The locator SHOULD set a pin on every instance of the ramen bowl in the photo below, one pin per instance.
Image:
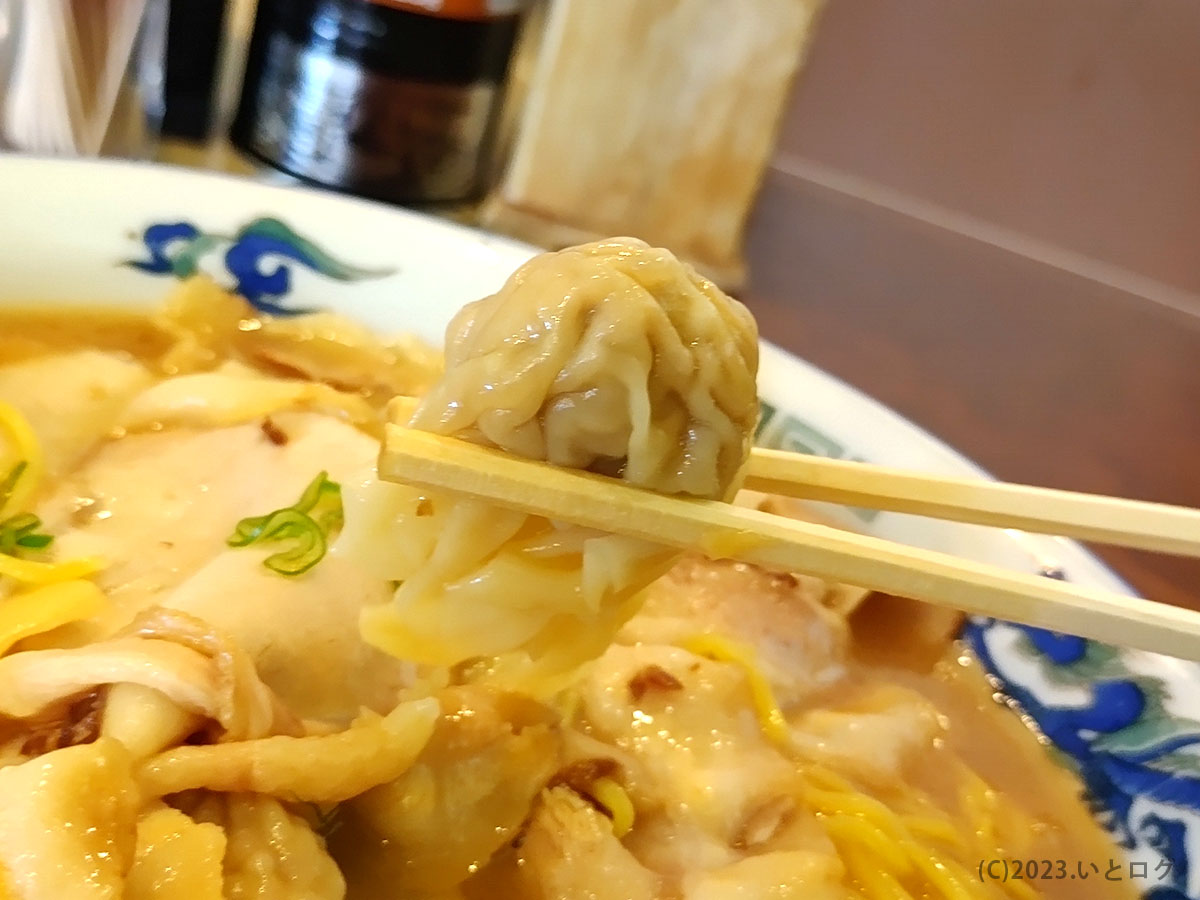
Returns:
(1126, 722)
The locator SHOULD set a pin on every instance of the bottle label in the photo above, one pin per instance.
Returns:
(457, 9)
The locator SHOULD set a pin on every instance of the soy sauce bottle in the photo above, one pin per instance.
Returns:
(391, 99)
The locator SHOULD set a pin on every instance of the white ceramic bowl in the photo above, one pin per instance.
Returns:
(117, 233)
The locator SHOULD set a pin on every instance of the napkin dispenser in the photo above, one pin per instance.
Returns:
(651, 118)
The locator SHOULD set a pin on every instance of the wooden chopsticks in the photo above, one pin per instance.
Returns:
(1106, 520)
(722, 530)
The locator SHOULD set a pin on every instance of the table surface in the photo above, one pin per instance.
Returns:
(1041, 374)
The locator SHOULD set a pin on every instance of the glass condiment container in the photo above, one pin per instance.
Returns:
(387, 99)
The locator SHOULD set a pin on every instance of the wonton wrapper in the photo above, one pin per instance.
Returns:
(67, 823)
(569, 850)
(612, 356)
(177, 859)
(466, 796)
(315, 769)
(210, 326)
(180, 657)
(270, 851)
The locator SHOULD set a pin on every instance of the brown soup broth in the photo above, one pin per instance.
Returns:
(991, 738)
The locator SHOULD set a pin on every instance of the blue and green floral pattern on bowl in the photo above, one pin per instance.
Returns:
(178, 248)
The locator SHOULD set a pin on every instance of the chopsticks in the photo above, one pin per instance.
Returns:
(725, 531)
(1106, 520)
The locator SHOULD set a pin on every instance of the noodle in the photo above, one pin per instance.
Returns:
(46, 608)
(612, 797)
(35, 572)
(24, 444)
(874, 882)
(848, 829)
(885, 849)
(940, 830)
(30, 467)
(770, 716)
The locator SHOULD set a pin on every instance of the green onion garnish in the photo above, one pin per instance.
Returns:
(20, 532)
(308, 523)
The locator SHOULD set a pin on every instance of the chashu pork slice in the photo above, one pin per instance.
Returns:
(159, 506)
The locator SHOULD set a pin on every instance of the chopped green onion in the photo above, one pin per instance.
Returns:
(316, 515)
(319, 488)
(19, 532)
(309, 549)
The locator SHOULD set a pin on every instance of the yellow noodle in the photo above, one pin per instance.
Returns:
(46, 608)
(568, 703)
(827, 778)
(978, 805)
(18, 433)
(613, 797)
(1022, 890)
(1016, 830)
(891, 855)
(857, 804)
(854, 830)
(34, 572)
(874, 881)
(995, 824)
(941, 830)
(940, 873)
(722, 649)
